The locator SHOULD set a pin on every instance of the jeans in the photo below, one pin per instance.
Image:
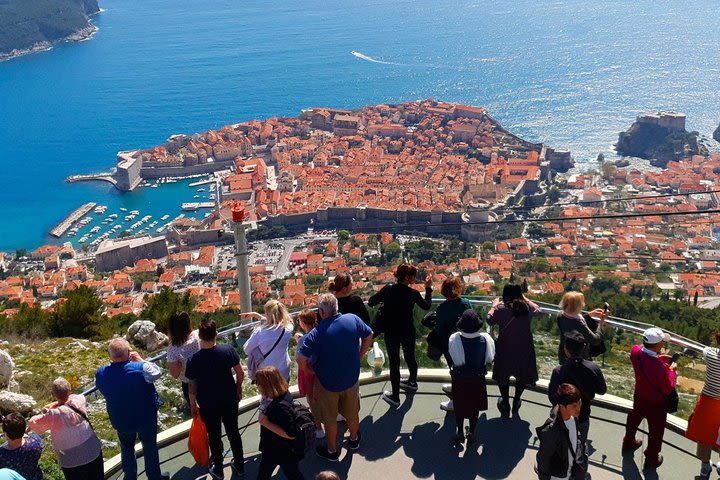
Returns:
(148, 438)
(290, 469)
(393, 345)
(227, 415)
(89, 471)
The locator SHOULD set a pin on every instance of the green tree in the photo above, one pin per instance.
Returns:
(343, 235)
(159, 307)
(78, 316)
(393, 251)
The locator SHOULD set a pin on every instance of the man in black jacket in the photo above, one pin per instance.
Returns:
(584, 374)
(561, 454)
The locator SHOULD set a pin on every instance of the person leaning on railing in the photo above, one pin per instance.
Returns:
(271, 338)
(399, 301)
(78, 448)
(184, 343)
(572, 318)
(704, 422)
(341, 286)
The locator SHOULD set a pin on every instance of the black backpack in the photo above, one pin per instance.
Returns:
(304, 423)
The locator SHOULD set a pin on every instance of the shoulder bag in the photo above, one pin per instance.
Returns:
(256, 357)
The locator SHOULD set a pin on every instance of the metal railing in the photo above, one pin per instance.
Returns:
(624, 324)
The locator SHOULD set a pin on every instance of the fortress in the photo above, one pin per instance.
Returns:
(673, 121)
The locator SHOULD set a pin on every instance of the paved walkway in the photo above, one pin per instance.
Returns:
(414, 442)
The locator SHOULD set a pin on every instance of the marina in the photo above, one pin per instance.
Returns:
(63, 226)
(189, 206)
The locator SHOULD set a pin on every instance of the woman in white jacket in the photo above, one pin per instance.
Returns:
(471, 350)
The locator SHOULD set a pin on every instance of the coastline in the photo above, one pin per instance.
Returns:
(80, 35)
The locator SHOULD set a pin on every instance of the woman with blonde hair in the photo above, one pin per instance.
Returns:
(277, 427)
(270, 340)
(572, 317)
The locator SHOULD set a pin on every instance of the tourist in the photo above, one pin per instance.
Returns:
(132, 405)
(332, 352)
(704, 422)
(307, 320)
(78, 448)
(270, 340)
(561, 454)
(214, 395)
(572, 318)
(184, 343)
(398, 301)
(21, 452)
(655, 378)
(341, 286)
(471, 350)
(584, 374)
(515, 349)
(7, 474)
(277, 427)
(446, 318)
(327, 475)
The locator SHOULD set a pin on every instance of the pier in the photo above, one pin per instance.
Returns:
(102, 177)
(197, 205)
(202, 182)
(76, 215)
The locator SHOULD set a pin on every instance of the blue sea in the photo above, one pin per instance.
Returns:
(571, 73)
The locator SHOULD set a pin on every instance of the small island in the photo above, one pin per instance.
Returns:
(659, 137)
(36, 25)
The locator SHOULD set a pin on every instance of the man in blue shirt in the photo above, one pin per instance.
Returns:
(127, 385)
(332, 351)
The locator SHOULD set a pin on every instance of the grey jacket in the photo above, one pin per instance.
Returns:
(553, 455)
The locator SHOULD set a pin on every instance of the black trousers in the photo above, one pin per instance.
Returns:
(393, 345)
(89, 471)
(290, 469)
(227, 415)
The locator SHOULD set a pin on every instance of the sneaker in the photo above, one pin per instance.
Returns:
(447, 388)
(653, 465)
(447, 405)
(319, 433)
(238, 468)
(354, 444)
(503, 407)
(326, 454)
(388, 397)
(631, 447)
(340, 418)
(216, 472)
(408, 385)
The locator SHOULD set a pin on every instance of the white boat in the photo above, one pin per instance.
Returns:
(123, 209)
(94, 229)
(164, 217)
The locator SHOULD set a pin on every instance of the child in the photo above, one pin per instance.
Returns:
(307, 320)
(277, 428)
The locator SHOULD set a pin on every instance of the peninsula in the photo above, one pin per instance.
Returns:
(34, 26)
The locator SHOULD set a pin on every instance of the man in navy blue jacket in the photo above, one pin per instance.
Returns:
(131, 399)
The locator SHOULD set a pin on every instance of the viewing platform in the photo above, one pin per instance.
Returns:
(415, 440)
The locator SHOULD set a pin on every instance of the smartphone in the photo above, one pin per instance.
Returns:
(675, 358)
(606, 307)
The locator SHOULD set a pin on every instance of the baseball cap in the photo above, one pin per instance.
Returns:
(655, 335)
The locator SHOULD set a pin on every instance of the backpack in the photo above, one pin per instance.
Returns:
(304, 424)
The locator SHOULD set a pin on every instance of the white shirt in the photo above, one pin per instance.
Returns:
(571, 425)
(264, 338)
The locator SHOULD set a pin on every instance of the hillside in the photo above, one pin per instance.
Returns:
(27, 26)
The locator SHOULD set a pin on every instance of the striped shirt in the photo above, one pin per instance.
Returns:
(712, 376)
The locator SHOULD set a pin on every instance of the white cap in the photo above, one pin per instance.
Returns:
(655, 335)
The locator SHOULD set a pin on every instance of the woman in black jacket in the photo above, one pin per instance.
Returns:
(562, 454)
(341, 286)
(398, 301)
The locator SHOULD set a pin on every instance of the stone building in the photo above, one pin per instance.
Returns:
(116, 254)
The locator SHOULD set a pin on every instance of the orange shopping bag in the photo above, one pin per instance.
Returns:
(198, 441)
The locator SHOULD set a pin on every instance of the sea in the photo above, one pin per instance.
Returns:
(571, 73)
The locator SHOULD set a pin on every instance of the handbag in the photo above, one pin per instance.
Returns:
(198, 444)
(434, 351)
(429, 320)
(256, 357)
(671, 400)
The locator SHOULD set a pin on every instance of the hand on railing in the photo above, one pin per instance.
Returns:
(135, 356)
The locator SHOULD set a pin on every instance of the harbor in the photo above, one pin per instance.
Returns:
(189, 206)
(76, 215)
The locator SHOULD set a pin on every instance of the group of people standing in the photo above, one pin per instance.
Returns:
(333, 340)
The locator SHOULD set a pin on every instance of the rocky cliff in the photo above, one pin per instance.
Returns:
(33, 25)
(716, 134)
(658, 144)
